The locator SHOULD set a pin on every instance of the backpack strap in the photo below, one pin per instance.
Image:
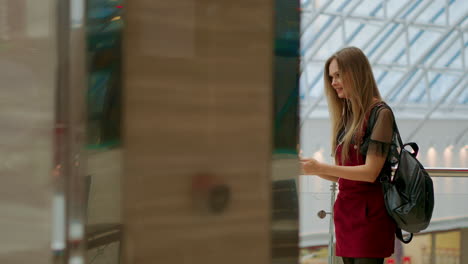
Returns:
(399, 235)
(371, 122)
(413, 145)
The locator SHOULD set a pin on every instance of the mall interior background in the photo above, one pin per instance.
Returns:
(418, 53)
(138, 130)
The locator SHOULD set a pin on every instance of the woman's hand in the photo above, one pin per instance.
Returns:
(366, 173)
(311, 166)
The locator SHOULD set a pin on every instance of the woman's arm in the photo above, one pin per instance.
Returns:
(323, 176)
(382, 132)
(329, 178)
(367, 172)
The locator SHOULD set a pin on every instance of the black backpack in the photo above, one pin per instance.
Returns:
(408, 191)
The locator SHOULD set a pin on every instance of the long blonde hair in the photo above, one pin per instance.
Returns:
(361, 89)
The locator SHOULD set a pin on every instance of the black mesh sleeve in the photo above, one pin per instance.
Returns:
(380, 139)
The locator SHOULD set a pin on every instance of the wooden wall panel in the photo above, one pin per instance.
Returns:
(28, 76)
(197, 100)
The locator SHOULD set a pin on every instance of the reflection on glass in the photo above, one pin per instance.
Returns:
(447, 247)
(286, 77)
(441, 247)
(314, 255)
(418, 251)
(441, 243)
(285, 212)
(104, 58)
(104, 39)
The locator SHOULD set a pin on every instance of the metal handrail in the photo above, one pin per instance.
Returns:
(447, 172)
(433, 172)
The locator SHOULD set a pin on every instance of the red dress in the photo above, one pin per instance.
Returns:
(362, 226)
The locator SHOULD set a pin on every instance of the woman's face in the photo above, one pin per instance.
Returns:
(336, 81)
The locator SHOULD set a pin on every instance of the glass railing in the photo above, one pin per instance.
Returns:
(440, 243)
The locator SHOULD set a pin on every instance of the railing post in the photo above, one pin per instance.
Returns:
(331, 249)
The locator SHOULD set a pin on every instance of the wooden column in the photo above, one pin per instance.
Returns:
(28, 72)
(197, 118)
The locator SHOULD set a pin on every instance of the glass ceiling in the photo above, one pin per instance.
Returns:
(417, 48)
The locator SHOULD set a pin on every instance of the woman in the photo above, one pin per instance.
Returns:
(365, 233)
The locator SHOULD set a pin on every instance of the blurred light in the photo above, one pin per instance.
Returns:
(463, 157)
(432, 157)
(116, 18)
(76, 231)
(119, 6)
(407, 260)
(448, 156)
(76, 260)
